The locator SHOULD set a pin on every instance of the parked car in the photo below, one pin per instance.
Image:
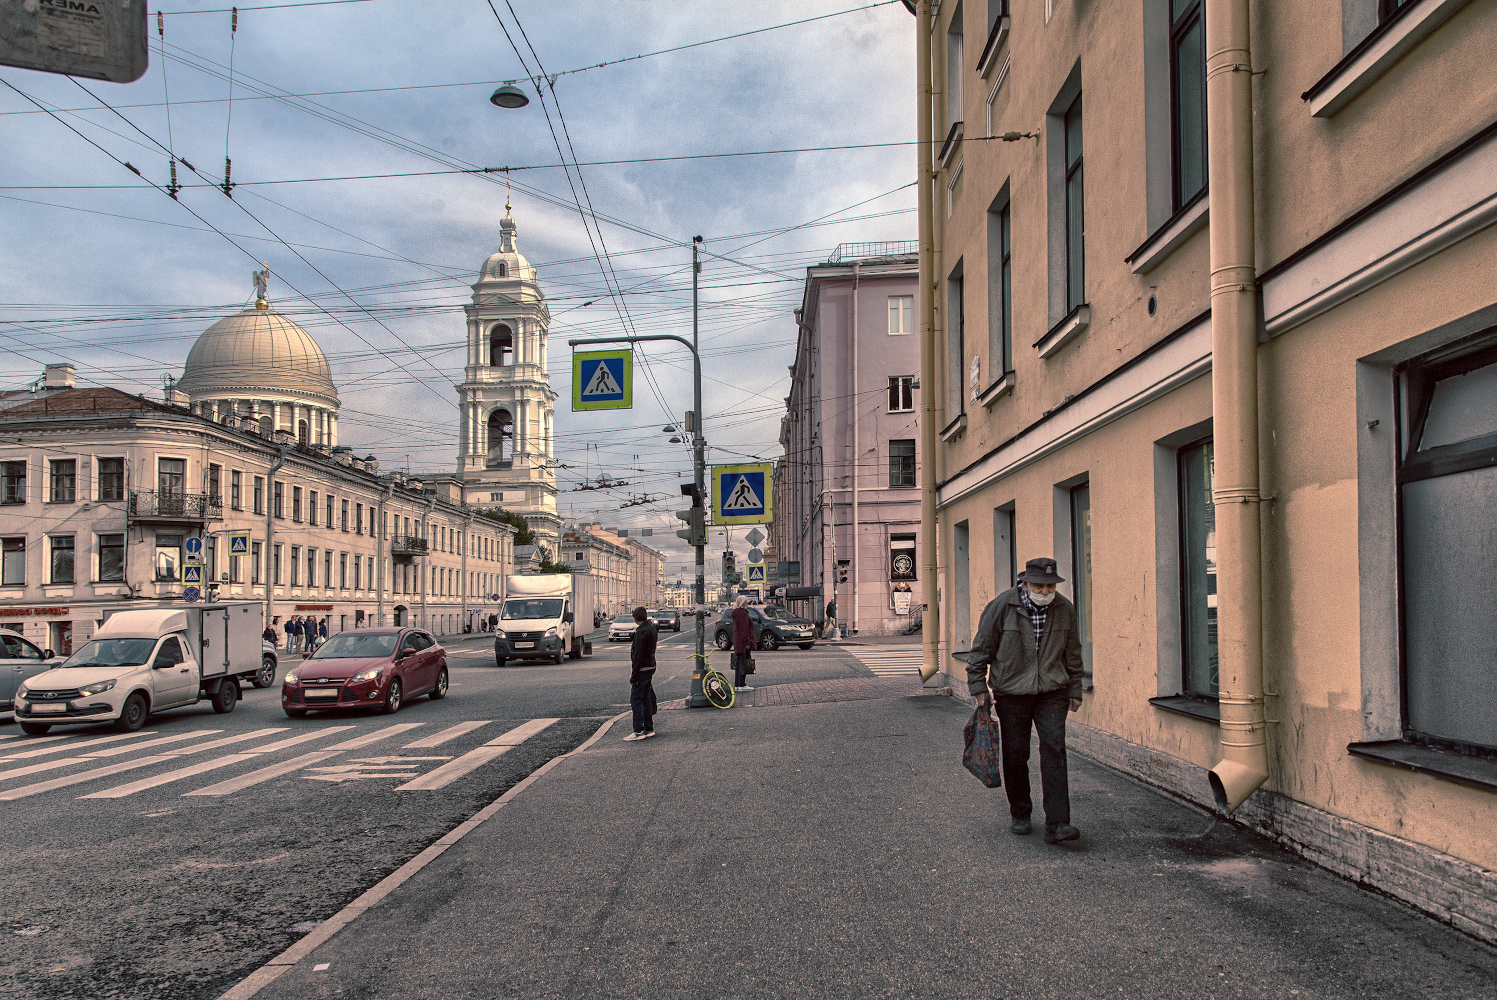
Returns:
(667, 618)
(773, 626)
(622, 628)
(368, 668)
(20, 659)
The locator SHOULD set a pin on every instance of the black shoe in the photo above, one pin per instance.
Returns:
(1019, 827)
(1062, 831)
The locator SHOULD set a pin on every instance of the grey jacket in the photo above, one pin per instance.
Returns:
(1005, 639)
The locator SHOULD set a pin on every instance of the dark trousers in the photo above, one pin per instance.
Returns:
(1047, 714)
(642, 701)
(739, 677)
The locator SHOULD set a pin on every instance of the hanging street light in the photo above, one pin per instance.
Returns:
(509, 96)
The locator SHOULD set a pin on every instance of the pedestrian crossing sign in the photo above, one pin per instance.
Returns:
(742, 494)
(239, 543)
(192, 575)
(755, 572)
(603, 380)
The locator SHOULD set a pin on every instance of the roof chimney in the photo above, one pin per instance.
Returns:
(59, 377)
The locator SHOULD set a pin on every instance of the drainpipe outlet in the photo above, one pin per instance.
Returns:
(1232, 783)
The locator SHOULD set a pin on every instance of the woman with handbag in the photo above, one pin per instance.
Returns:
(743, 644)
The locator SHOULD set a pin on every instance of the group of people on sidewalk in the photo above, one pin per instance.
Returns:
(301, 632)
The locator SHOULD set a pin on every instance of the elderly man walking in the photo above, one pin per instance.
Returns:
(1028, 651)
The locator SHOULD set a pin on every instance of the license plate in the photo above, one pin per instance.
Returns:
(524, 645)
(49, 708)
(314, 694)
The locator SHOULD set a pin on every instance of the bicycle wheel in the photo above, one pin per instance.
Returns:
(717, 689)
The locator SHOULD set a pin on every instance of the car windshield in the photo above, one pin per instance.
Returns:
(533, 607)
(346, 645)
(112, 653)
(624, 620)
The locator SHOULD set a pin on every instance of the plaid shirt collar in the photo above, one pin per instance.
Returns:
(1036, 614)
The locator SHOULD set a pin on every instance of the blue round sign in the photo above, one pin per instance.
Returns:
(194, 545)
(493, 597)
(191, 595)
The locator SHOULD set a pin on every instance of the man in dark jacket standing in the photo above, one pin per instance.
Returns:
(1028, 651)
(641, 673)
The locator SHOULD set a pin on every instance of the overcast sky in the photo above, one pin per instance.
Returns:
(99, 269)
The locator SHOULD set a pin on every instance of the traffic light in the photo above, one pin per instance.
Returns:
(842, 572)
(695, 517)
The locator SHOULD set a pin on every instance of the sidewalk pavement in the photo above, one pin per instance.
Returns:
(840, 850)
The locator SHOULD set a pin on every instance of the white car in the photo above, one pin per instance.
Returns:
(622, 628)
(20, 660)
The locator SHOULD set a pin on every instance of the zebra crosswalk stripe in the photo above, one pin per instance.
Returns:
(166, 777)
(437, 739)
(57, 765)
(244, 781)
(67, 747)
(890, 661)
(77, 779)
(472, 760)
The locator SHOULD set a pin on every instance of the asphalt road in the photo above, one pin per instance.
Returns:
(185, 867)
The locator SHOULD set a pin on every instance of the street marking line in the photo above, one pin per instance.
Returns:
(437, 739)
(263, 774)
(74, 746)
(166, 777)
(303, 738)
(472, 760)
(376, 736)
(226, 741)
(149, 744)
(76, 779)
(56, 765)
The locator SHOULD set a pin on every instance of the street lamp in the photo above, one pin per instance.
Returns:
(509, 96)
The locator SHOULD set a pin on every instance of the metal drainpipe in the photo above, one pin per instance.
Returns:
(426, 561)
(856, 456)
(930, 625)
(380, 546)
(464, 540)
(270, 534)
(1234, 381)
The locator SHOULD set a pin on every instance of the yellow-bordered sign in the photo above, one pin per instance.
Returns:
(603, 380)
(742, 494)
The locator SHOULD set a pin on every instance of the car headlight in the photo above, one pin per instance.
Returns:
(367, 675)
(499, 633)
(551, 632)
(22, 691)
(98, 687)
(291, 678)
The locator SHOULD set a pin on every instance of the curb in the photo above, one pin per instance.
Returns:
(282, 963)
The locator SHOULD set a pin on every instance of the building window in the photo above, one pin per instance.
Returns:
(171, 476)
(13, 562)
(956, 345)
(902, 462)
(235, 575)
(215, 482)
(1387, 8)
(329, 519)
(236, 490)
(1447, 504)
(275, 556)
(327, 568)
(1198, 571)
(901, 315)
(902, 558)
(255, 558)
(111, 479)
(295, 565)
(358, 519)
(311, 568)
(259, 494)
(954, 188)
(343, 570)
(1075, 213)
(358, 565)
(1005, 554)
(343, 520)
(63, 482)
(1000, 293)
(501, 346)
(296, 503)
(278, 492)
(168, 558)
(1081, 565)
(1188, 97)
(62, 558)
(111, 558)
(312, 508)
(901, 393)
(954, 68)
(14, 481)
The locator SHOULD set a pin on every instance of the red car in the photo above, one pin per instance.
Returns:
(369, 667)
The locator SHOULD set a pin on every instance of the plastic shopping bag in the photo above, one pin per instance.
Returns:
(981, 756)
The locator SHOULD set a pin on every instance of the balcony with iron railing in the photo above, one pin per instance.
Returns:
(170, 505)
(405, 547)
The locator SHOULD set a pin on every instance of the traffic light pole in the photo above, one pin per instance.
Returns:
(698, 522)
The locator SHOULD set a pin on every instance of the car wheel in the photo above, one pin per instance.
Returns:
(440, 691)
(499, 661)
(722, 641)
(296, 713)
(392, 698)
(805, 645)
(133, 715)
(768, 640)
(557, 658)
(265, 676)
(35, 728)
(226, 698)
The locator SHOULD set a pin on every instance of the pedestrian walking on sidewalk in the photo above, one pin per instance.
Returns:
(641, 674)
(830, 628)
(743, 643)
(1027, 650)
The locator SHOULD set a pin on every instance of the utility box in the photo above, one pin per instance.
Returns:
(100, 40)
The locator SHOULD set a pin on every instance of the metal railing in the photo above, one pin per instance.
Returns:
(408, 545)
(176, 506)
(862, 251)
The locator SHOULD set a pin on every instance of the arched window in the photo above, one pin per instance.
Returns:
(501, 439)
(501, 346)
(265, 427)
(503, 269)
(301, 432)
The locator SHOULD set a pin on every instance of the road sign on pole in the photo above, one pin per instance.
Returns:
(191, 595)
(192, 574)
(756, 573)
(239, 543)
(754, 536)
(603, 380)
(742, 494)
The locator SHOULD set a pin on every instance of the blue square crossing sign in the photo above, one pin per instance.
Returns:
(742, 494)
(603, 380)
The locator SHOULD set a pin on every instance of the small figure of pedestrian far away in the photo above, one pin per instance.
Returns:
(1029, 636)
(830, 628)
(641, 673)
(743, 643)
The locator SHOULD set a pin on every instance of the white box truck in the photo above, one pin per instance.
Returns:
(545, 616)
(148, 660)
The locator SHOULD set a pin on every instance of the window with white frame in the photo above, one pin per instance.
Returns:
(901, 393)
(901, 318)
